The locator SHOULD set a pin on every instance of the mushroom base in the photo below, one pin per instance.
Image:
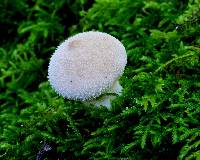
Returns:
(106, 100)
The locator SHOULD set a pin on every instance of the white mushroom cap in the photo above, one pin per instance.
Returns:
(86, 65)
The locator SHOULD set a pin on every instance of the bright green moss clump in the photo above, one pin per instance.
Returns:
(156, 117)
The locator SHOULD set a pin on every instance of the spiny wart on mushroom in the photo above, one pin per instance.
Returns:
(93, 61)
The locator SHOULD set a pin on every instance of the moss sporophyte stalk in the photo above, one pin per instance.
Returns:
(86, 66)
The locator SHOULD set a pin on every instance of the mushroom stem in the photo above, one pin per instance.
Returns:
(116, 88)
(106, 100)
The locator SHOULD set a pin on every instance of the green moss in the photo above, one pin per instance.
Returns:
(157, 115)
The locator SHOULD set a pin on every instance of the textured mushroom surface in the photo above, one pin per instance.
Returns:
(86, 65)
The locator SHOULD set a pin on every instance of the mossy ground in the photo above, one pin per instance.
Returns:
(156, 117)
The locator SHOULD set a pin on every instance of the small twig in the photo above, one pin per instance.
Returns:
(46, 148)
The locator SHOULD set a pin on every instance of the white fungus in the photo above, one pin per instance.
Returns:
(87, 65)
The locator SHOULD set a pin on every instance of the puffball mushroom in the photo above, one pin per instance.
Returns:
(86, 66)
